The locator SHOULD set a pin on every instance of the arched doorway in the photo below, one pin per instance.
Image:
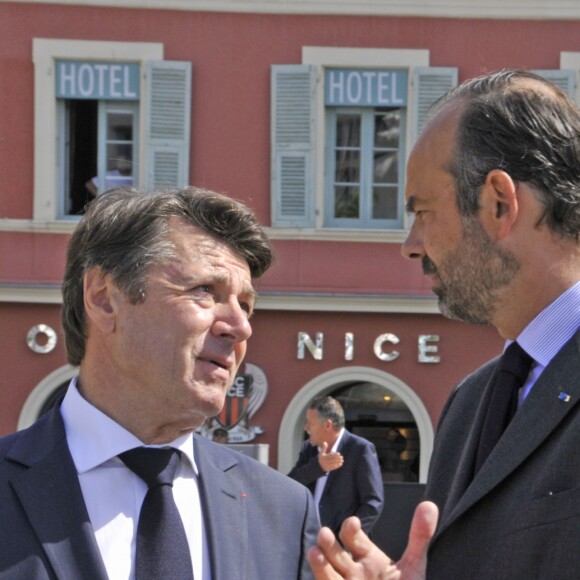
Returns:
(378, 414)
(44, 395)
(374, 401)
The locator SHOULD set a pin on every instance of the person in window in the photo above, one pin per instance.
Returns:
(395, 445)
(120, 175)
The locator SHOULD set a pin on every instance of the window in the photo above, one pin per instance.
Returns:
(342, 128)
(107, 114)
(99, 149)
(364, 177)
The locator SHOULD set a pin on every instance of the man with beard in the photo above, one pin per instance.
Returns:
(494, 187)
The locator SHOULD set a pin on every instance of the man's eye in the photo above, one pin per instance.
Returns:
(247, 308)
(202, 290)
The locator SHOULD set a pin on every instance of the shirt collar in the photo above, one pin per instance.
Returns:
(94, 438)
(553, 327)
(338, 440)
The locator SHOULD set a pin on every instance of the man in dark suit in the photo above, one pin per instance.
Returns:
(494, 186)
(157, 295)
(341, 469)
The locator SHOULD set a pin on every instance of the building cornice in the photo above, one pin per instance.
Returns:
(317, 235)
(37, 226)
(322, 302)
(495, 9)
(349, 303)
(31, 294)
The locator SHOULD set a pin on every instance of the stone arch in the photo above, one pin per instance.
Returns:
(291, 432)
(33, 404)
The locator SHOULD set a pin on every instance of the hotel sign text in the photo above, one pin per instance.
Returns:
(365, 88)
(118, 81)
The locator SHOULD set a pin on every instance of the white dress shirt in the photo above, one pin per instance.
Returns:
(321, 481)
(113, 494)
(548, 332)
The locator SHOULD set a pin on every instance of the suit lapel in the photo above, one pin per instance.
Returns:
(224, 508)
(538, 417)
(51, 497)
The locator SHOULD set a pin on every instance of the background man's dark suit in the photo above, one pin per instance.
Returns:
(45, 530)
(356, 488)
(527, 491)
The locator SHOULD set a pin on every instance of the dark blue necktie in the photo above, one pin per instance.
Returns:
(513, 369)
(162, 548)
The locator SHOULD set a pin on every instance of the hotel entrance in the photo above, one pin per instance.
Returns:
(379, 415)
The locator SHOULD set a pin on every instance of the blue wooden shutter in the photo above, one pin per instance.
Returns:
(565, 79)
(168, 115)
(429, 83)
(293, 127)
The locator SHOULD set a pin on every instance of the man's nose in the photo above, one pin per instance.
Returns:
(412, 247)
(232, 320)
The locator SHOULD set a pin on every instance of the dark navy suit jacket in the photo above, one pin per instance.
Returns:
(355, 489)
(259, 523)
(520, 516)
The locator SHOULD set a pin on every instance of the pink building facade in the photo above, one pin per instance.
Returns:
(307, 112)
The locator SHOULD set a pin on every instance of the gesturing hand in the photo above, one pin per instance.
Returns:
(330, 561)
(329, 461)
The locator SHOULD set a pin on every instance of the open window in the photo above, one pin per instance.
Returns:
(107, 114)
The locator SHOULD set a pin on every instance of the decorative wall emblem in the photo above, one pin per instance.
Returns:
(45, 346)
(243, 399)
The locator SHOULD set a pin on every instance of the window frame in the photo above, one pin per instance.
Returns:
(339, 57)
(48, 204)
(104, 106)
(132, 108)
(367, 149)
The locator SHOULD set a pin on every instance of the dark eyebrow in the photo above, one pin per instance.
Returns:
(252, 294)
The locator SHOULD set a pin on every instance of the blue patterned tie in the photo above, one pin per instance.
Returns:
(162, 548)
(513, 369)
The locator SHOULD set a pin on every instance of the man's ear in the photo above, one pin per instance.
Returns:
(99, 300)
(499, 203)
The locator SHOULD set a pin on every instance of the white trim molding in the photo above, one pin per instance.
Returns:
(336, 234)
(318, 235)
(291, 431)
(495, 9)
(30, 294)
(41, 392)
(44, 53)
(571, 60)
(349, 303)
(427, 304)
(325, 56)
(38, 226)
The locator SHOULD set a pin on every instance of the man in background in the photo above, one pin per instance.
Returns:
(220, 435)
(341, 469)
